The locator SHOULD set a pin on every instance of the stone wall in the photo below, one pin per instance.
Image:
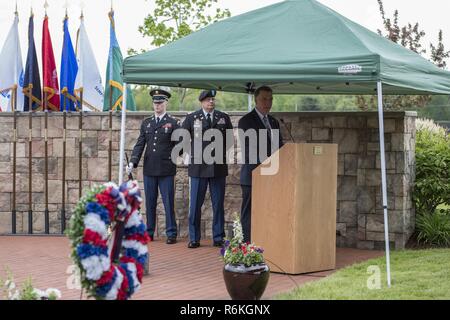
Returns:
(359, 211)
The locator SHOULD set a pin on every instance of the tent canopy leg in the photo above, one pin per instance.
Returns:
(383, 179)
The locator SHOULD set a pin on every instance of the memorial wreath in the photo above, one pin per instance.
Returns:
(99, 211)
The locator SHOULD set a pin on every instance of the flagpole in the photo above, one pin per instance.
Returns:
(46, 212)
(122, 133)
(63, 191)
(45, 107)
(14, 108)
(30, 164)
(111, 72)
(65, 90)
(81, 99)
(80, 152)
(110, 147)
(81, 146)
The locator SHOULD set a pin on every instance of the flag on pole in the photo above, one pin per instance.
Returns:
(32, 79)
(69, 69)
(88, 78)
(49, 70)
(11, 69)
(114, 80)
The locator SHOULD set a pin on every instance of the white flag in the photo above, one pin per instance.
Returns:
(88, 76)
(11, 69)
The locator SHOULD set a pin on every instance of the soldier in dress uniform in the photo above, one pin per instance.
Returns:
(159, 169)
(203, 174)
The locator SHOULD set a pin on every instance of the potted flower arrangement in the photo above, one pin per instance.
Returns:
(245, 273)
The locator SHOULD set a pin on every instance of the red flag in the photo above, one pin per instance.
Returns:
(51, 88)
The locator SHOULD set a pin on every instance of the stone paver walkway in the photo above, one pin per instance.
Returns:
(176, 272)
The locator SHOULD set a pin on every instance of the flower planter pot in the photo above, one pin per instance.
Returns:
(246, 283)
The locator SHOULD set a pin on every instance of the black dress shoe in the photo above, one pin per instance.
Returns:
(171, 240)
(218, 243)
(193, 244)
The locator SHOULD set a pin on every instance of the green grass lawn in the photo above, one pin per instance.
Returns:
(416, 274)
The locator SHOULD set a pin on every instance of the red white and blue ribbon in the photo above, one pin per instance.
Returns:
(113, 281)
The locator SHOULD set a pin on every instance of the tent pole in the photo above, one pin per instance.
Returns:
(122, 133)
(383, 179)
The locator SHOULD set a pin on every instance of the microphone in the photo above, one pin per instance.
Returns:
(287, 129)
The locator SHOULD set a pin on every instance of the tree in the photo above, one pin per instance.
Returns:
(174, 19)
(438, 53)
(409, 36)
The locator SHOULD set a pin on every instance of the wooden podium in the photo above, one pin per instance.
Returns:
(294, 210)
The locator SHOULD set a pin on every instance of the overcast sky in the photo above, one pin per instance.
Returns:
(431, 14)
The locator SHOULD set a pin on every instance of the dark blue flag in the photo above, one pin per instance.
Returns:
(32, 76)
(69, 69)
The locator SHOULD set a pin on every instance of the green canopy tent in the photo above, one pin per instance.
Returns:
(295, 47)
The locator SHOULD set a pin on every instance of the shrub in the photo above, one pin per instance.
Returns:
(432, 187)
(434, 229)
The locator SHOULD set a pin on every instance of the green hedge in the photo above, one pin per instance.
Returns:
(434, 229)
(432, 188)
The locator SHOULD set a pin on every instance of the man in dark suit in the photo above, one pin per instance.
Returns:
(204, 172)
(159, 169)
(257, 119)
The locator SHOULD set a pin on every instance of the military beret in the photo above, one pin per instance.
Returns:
(160, 95)
(207, 94)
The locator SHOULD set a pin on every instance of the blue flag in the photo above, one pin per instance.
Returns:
(69, 69)
(32, 77)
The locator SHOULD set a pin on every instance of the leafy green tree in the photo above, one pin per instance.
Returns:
(409, 36)
(438, 53)
(438, 109)
(174, 19)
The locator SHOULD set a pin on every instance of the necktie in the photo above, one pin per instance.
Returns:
(157, 120)
(267, 125)
(208, 119)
